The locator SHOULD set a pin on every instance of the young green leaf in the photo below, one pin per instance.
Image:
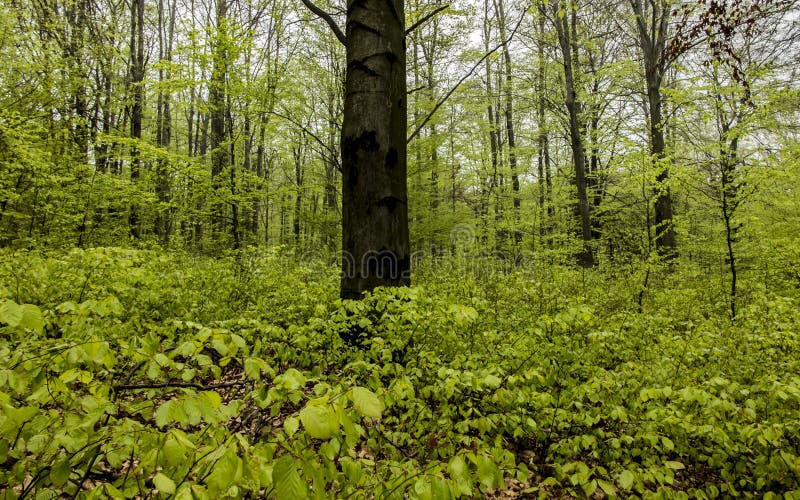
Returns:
(626, 479)
(367, 403)
(164, 484)
(319, 421)
(287, 481)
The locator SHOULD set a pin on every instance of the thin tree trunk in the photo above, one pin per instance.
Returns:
(493, 187)
(163, 222)
(566, 36)
(509, 115)
(652, 42)
(217, 103)
(137, 108)
(545, 180)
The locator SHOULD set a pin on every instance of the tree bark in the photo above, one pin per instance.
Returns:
(375, 238)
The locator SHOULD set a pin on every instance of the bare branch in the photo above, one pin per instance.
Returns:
(328, 19)
(426, 18)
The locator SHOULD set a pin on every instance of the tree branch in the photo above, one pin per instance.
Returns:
(426, 18)
(328, 19)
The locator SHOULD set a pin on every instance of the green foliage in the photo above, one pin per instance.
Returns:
(123, 373)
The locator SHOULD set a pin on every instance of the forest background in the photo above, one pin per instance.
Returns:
(604, 241)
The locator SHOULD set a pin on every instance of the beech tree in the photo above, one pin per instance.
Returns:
(375, 244)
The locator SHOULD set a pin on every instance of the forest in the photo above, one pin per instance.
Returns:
(399, 249)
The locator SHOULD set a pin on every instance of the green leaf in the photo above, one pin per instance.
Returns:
(112, 492)
(287, 481)
(440, 489)
(162, 414)
(488, 472)
(181, 437)
(209, 401)
(162, 359)
(164, 484)
(367, 403)
(607, 487)
(459, 472)
(173, 452)
(319, 421)
(589, 487)
(32, 318)
(674, 465)
(492, 381)
(252, 368)
(10, 313)
(290, 425)
(227, 472)
(626, 479)
(59, 473)
(291, 380)
(463, 315)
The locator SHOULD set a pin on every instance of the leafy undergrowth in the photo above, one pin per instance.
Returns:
(137, 374)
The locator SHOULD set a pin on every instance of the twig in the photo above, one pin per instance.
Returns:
(399, 448)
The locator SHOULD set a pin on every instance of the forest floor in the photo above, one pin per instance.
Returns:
(145, 374)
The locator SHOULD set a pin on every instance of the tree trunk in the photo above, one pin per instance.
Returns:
(137, 88)
(652, 42)
(665, 232)
(163, 225)
(298, 151)
(509, 115)
(543, 140)
(261, 173)
(217, 104)
(567, 41)
(375, 239)
(494, 139)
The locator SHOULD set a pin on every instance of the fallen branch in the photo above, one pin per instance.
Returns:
(191, 385)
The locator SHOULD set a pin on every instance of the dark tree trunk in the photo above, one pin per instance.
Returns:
(494, 133)
(665, 232)
(261, 173)
(163, 222)
(375, 239)
(730, 185)
(509, 115)
(652, 42)
(543, 140)
(137, 88)
(217, 103)
(298, 151)
(567, 41)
